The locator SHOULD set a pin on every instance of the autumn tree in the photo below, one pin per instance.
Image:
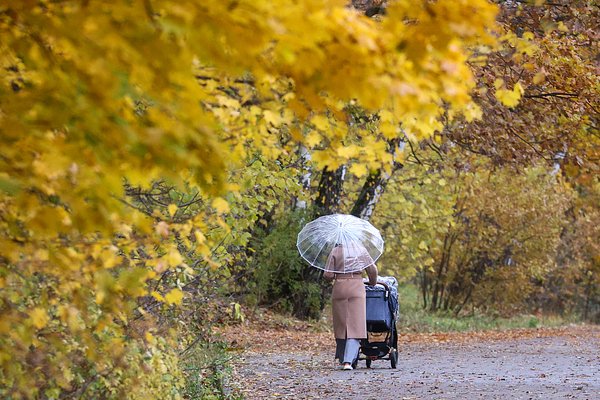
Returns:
(472, 234)
(539, 93)
(539, 89)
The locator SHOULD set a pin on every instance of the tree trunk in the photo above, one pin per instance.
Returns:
(374, 186)
(424, 287)
(435, 295)
(467, 298)
(330, 190)
(305, 157)
(447, 298)
(588, 296)
(369, 195)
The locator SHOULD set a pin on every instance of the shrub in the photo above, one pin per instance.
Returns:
(281, 279)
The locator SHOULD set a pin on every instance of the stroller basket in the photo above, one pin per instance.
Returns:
(379, 315)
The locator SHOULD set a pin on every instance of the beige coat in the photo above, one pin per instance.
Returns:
(348, 299)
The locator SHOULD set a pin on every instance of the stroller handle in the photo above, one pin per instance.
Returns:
(385, 285)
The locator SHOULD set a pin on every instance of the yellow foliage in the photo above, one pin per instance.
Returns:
(359, 170)
(510, 98)
(174, 296)
(348, 151)
(220, 205)
(313, 139)
(539, 78)
(39, 317)
(320, 122)
(157, 296)
(174, 258)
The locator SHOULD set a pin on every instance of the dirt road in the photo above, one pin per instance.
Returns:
(560, 365)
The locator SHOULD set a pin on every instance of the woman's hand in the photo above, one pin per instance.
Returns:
(372, 273)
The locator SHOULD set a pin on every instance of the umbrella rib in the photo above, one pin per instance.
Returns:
(317, 256)
(311, 245)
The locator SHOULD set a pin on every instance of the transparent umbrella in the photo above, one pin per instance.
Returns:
(340, 243)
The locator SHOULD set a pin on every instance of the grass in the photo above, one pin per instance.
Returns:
(413, 318)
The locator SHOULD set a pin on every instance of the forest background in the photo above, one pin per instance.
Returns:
(158, 159)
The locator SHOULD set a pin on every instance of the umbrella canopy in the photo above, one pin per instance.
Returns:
(340, 243)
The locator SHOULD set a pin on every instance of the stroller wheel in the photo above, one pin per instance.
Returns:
(368, 363)
(355, 364)
(394, 358)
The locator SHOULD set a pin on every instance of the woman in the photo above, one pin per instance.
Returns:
(348, 301)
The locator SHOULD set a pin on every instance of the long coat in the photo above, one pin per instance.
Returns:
(348, 299)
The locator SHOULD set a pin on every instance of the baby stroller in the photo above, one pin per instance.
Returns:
(382, 313)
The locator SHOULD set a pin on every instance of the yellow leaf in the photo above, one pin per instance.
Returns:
(472, 112)
(174, 258)
(172, 209)
(389, 130)
(157, 296)
(348, 151)
(498, 83)
(174, 296)
(203, 249)
(221, 205)
(149, 337)
(529, 66)
(423, 245)
(320, 122)
(228, 102)
(296, 134)
(562, 27)
(42, 254)
(386, 116)
(313, 139)
(510, 98)
(200, 238)
(539, 78)
(359, 170)
(272, 118)
(39, 317)
(109, 257)
(519, 88)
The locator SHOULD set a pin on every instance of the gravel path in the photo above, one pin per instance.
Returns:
(562, 367)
